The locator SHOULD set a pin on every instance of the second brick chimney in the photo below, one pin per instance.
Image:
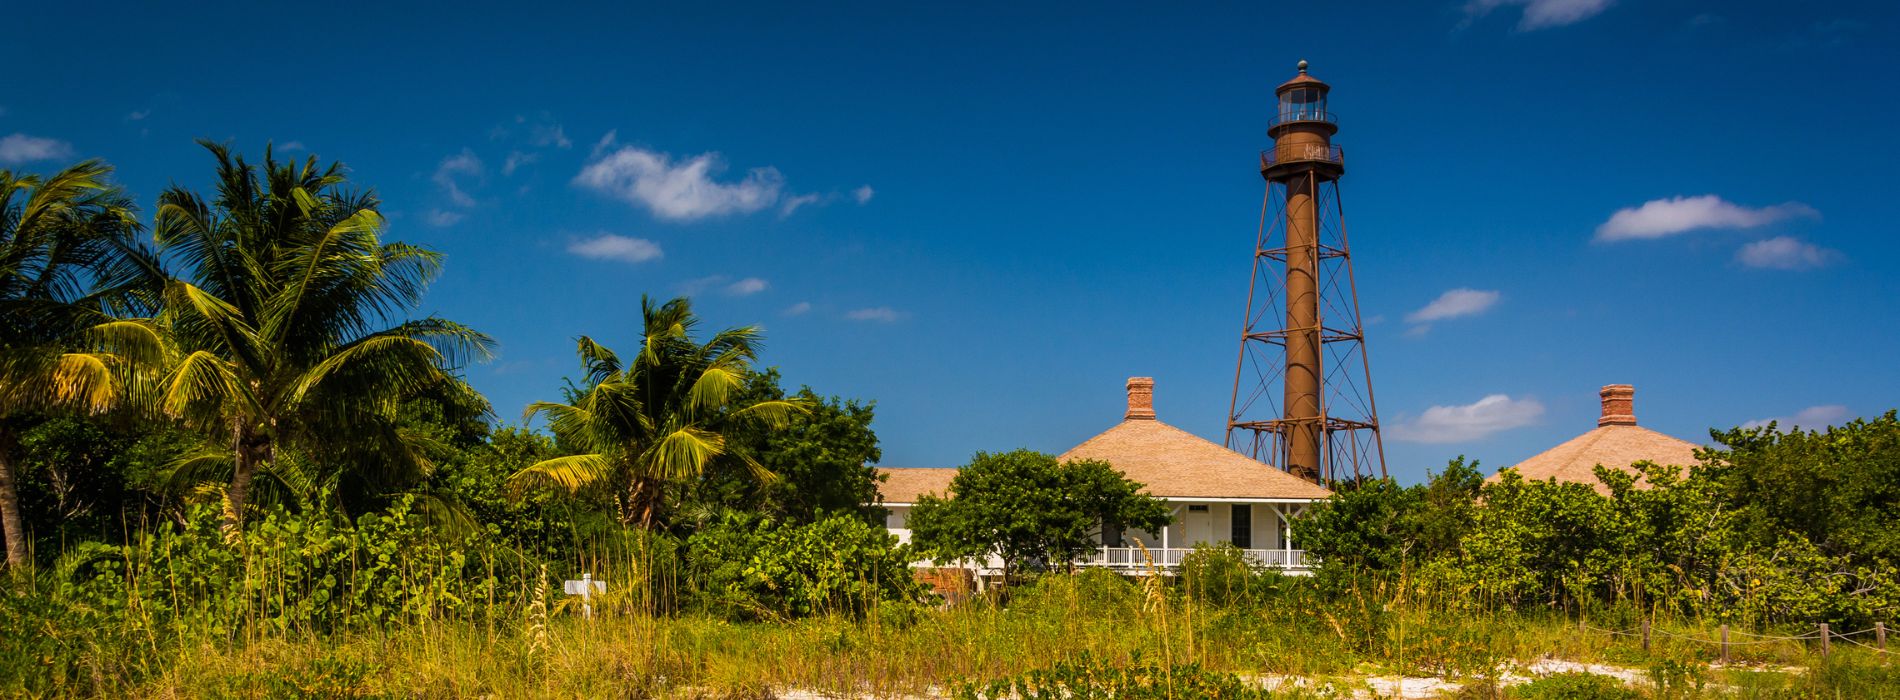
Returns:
(1141, 399)
(1619, 405)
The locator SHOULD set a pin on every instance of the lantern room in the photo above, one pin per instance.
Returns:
(1302, 100)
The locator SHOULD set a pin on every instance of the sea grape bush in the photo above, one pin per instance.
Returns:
(1712, 539)
(752, 568)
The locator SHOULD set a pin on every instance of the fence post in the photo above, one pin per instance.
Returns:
(1880, 636)
(1725, 643)
(1824, 636)
(1645, 634)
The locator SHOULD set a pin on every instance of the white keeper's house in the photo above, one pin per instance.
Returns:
(1217, 495)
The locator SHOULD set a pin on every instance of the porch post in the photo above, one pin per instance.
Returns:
(1286, 537)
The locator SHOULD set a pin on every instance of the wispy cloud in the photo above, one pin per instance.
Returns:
(863, 194)
(1541, 14)
(1784, 253)
(1475, 421)
(610, 246)
(1810, 418)
(515, 160)
(452, 168)
(291, 146)
(441, 217)
(793, 203)
(21, 148)
(680, 191)
(798, 309)
(138, 115)
(724, 284)
(1454, 303)
(549, 134)
(1660, 218)
(746, 287)
(879, 314)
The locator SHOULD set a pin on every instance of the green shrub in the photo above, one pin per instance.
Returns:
(1218, 575)
(1575, 686)
(750, 568)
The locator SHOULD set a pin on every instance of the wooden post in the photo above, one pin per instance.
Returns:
(1645, 634)
(1880, 636)
(1824, 640)
(1725, 644)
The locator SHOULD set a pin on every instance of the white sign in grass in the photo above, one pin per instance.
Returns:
(585, 588)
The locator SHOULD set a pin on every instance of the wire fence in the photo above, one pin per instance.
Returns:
(1822, 633)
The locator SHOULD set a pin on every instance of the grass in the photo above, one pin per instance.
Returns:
(549, 651)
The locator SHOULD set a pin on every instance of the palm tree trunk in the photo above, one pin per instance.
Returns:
(249, 452)
(11, 525)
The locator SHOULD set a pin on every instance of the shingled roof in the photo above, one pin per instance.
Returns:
(1168, 461)
(1617, 443)
(907, 485)
(1174, 463)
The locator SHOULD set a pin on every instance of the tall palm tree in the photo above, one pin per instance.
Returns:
(658, 419)
(289, 322)
(68, 263)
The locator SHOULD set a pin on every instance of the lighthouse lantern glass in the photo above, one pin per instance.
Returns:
(1301, 104)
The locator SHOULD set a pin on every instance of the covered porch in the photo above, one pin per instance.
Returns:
(1262, 528)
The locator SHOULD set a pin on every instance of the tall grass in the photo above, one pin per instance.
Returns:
(175, 631)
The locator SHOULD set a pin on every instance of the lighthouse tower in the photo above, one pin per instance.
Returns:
(1302, 387)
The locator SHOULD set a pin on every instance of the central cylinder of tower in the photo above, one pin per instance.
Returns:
(1301, 401)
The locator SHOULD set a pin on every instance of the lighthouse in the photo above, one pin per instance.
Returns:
(1302, 396)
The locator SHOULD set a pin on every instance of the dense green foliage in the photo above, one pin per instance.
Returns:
(1031, 511)
(1774, 527)
(748, 567)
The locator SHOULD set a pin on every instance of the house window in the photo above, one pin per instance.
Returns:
(1111, 535)
(1243, 525)
(1197, 509)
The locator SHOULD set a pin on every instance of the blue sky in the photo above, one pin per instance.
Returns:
(986, 216)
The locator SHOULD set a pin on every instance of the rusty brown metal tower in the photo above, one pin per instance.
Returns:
(1303, 385)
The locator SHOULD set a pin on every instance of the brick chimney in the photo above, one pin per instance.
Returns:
(1619, 405)
(1141, 399)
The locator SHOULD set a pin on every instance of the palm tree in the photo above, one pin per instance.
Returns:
(67, 264)
(659, 419)
(288, 324)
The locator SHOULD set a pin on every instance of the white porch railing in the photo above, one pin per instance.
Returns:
(1131, 558)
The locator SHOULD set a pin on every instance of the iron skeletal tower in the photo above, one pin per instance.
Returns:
(1303, 386)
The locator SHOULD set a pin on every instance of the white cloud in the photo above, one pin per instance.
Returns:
(139, 115)
(746, 287)
(1660, 218)
(1784, 253)
(798, 309)
(455, 166)
(516, 159)
(608, 246)
(680, 191)
(880, 314)
(440, 218)
(21, 148)
(1454, 303)
(1447, 424)
(1541, 14)
(793, 203)
(863, 194)
(292, 146)
(1810, 418)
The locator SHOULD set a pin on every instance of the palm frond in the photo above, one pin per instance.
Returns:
(571, 472)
